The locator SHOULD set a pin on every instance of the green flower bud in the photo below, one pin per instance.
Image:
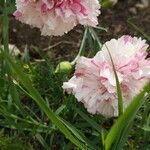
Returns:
(108, 3)
(64, 67)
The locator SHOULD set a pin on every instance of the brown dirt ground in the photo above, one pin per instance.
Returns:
(114, 19)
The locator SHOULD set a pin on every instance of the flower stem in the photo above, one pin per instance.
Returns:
(83, 42)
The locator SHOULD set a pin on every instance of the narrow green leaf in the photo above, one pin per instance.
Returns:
(60, 109)
(42, 141)
(94, 124)
(146, 128)
(41, 103)
(119, 91)
(69, 126)
(120, 129)
(78, 134)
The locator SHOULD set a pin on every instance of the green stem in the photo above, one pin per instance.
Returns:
(95, 36)
(81, 47)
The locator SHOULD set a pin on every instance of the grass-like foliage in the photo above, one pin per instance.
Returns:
(35, 112)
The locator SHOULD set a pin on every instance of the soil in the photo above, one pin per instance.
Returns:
(115, 19)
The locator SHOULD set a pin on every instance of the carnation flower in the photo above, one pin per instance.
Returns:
(56, 17)
(94, 82)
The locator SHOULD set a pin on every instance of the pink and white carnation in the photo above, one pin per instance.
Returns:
(94, 82)
(56, 17)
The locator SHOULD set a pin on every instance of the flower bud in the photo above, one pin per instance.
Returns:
(108, 3)
(64, 67)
